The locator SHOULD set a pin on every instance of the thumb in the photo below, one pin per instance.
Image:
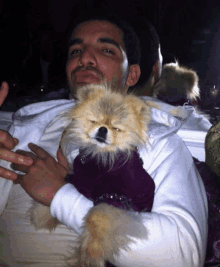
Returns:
(62, 160)
(3, 92)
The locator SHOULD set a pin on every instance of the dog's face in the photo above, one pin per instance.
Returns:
(107, 125)
(104, 121)
(109, 121)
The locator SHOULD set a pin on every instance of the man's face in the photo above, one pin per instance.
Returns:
(97, 54)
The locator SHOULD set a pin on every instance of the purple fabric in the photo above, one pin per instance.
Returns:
(127, 179)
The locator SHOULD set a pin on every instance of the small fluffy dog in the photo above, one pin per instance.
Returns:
(176, 84)
(106, 128)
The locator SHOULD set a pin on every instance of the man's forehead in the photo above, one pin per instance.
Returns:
(98, 29)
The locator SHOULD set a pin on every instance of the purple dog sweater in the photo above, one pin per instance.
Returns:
(125, 185)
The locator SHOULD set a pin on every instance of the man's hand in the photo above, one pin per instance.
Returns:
(7, 143)
(45, 177)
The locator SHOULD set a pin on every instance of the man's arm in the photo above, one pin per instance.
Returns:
(177, 225)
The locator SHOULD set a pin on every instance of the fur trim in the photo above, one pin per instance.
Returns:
(177, 81)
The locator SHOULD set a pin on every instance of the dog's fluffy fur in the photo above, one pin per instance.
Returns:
(177, 81)
(125, 119)
(106, 229)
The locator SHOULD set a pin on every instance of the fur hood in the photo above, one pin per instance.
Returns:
(177, 84)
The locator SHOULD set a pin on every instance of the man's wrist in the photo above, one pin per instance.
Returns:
(47, 193)
(70, 207)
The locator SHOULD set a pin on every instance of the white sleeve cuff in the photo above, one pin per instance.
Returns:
(70, 207)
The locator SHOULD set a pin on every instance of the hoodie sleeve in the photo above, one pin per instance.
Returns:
(177, 225)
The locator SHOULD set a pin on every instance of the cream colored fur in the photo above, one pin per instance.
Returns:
(126, 117)
(106, 230)
(178, 80)
(41, 218)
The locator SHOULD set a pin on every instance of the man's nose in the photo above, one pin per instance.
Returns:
(88, 57)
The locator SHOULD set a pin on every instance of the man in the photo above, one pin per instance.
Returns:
(177, 225)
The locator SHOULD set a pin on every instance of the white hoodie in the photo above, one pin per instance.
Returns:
(177, 224)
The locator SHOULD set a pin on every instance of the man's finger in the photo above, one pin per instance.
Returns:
(7, 174)
(7, 141)
(14, 157)
(3, 92)
(19, 179)
(40, 152)
(61, 159)
(26, 153)
(19, 167)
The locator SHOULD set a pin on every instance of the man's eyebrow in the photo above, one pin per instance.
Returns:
(109, 41)
(74, 41)
(100, 40)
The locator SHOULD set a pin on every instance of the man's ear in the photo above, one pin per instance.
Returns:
(134, 75)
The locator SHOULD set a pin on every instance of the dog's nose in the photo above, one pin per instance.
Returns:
(101, 135)
(103, 130)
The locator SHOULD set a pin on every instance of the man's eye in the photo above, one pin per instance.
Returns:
(74, 52)
(108, 51)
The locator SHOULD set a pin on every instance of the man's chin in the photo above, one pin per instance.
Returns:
(85, 83)
(115, 84)
(75, 86)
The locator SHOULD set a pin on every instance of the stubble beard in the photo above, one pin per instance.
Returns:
(116, 85)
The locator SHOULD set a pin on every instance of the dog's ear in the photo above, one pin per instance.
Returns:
(141, 108)
(144, 112)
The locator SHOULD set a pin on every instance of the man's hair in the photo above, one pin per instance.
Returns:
(130, 39)
(149, 42)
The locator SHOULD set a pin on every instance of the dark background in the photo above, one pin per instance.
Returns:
(189, 32)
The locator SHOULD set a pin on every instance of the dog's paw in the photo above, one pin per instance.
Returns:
(41, 218)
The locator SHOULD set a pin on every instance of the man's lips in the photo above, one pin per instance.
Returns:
(86, 73)
(86, 76)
